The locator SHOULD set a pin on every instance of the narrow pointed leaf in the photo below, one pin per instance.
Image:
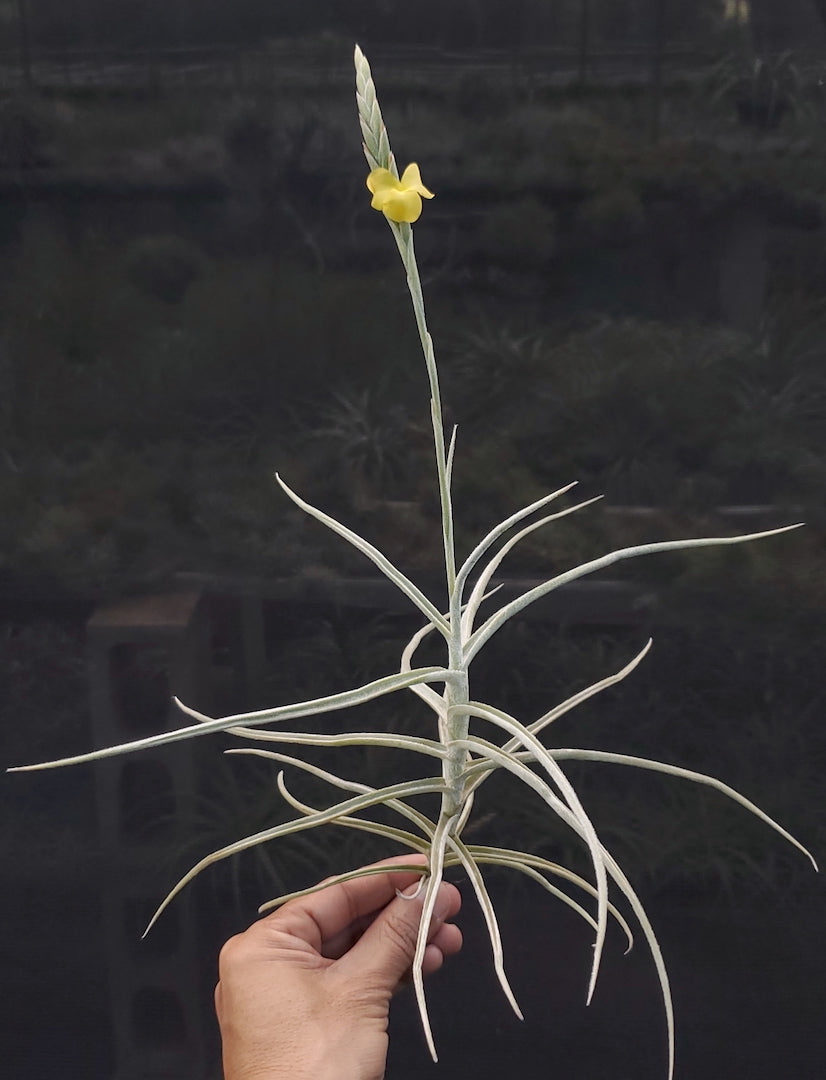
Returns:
(427, 826)
(351, 875)
(685, 774)
(527, 864)
(429, 747)
(482, 769)
(498, 620)
(573, 812)
(403, 583)
(493, 565)
(287, 828)
(486, 905)
(654, 947)
(499, 530)
(207, 725)
(434, 880)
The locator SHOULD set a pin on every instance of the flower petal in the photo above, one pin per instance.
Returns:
(411, 178)
(381, 180)
(399, 205)
(399, 200)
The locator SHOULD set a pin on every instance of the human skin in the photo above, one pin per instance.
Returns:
(305, 992)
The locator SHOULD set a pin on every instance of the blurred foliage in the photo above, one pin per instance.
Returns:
(494, 23)
(520, 234)
(677, 415)
(154, 372)
(145, 438)
(163, 267)
(762, 89)
(27, 133)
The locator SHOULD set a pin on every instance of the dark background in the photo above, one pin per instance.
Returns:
(624, 269)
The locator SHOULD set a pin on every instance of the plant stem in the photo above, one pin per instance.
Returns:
(404, 240)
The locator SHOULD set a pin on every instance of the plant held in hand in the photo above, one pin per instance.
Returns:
(463, 756)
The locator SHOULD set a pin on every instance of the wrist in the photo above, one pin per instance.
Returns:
(296, 1065)
(293, 1071)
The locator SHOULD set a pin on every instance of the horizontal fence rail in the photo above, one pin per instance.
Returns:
(280, 65)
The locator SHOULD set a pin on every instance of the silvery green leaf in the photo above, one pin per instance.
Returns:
(207, 725)
(287, 828)
(381, 561)
(498, 620)
(685, 774)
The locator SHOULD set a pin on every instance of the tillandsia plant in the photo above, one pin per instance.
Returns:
(463, 752)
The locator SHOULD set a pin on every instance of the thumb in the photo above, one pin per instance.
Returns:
(384, 953)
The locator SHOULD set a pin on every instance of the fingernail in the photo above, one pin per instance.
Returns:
(412, 891)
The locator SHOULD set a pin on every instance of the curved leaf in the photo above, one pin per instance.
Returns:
(498, 620)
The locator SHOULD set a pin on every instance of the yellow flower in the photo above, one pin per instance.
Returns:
(398, 200)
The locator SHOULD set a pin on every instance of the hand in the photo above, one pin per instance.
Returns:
(305, 992)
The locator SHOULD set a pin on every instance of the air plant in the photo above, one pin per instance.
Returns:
(463, 757)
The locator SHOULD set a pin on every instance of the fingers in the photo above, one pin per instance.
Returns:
(446, 942)
(385, 951)
(331, 920)
(367, 928)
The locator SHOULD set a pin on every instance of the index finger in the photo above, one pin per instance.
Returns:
(322, 916)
